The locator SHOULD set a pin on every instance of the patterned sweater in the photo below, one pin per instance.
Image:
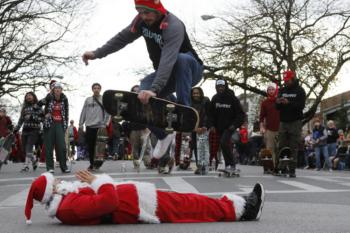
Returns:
(31, 117)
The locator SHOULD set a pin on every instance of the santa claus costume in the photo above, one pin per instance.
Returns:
(105, 201)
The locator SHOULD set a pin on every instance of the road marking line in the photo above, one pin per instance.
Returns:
(301, 185)
(178, 184)
(15, 200)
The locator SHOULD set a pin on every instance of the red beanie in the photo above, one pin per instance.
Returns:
(288, 75)
(154, 5)
(40, 190)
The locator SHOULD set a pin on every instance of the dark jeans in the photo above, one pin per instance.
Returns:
(226, 148)
(289, 136)
(186, 73)
(91, 136)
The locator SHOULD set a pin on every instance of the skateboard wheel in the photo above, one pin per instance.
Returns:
(170, 107)
(118, 95)
(169, 130)
(118, 118)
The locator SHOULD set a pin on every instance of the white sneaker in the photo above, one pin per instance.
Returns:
(163, 145)
(41, 165)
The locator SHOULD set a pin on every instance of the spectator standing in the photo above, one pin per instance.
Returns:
(94, 116)
(269, 121)
(73, 137)
(319, 137)
(31, 118)
(55, 124)
(200, 139)
(332, 138)
(5, 123)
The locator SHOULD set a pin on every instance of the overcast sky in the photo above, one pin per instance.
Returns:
(117, 70)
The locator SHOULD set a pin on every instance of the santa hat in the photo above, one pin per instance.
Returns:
(40, 190)
(52, 83)
(153, 5)
(288, 75)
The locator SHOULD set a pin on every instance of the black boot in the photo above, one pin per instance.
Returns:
(254, 203)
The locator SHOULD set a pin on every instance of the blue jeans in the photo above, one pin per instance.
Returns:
(332, 149)
(186, 73)
(324, 150)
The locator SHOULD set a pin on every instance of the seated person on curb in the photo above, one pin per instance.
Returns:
(98, 200)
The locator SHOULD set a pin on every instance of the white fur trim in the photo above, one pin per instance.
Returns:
(65, 187)
(238, 204)
(50, 179)
(101, 180)
(53, 205)
(147, 197)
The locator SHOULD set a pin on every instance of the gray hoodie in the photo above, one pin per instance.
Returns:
(163, 45)
(92, 114)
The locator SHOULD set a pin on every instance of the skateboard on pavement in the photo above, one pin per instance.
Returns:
(285, 160)
(124, 105)
(100, 148)
(228, 173)
(266, 160)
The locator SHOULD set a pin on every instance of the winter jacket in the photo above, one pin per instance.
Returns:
(5, 126)
(293, 111)
(319, 133)
(31, 117)
(49, 102)
(269, 114)
(203, 108)
(163, 45)
(332, 135)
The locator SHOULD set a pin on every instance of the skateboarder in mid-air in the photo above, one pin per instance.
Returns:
(177, 65)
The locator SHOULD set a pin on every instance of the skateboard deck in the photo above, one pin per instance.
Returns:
(226, 173)
(284, 160)
(266, 160)
(158, 112)
(100, 148)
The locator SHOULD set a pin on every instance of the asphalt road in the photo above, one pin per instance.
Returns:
(315, 201)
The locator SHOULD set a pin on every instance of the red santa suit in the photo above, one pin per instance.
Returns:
(133, 202)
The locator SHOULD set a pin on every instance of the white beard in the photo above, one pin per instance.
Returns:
(65, 187)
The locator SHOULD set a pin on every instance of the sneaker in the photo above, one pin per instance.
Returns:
(306, 167)
(254, 203)
(51, 171)
(161, 170)
(66, 171)
(41, 165)
(163, 145)
(25, 169)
